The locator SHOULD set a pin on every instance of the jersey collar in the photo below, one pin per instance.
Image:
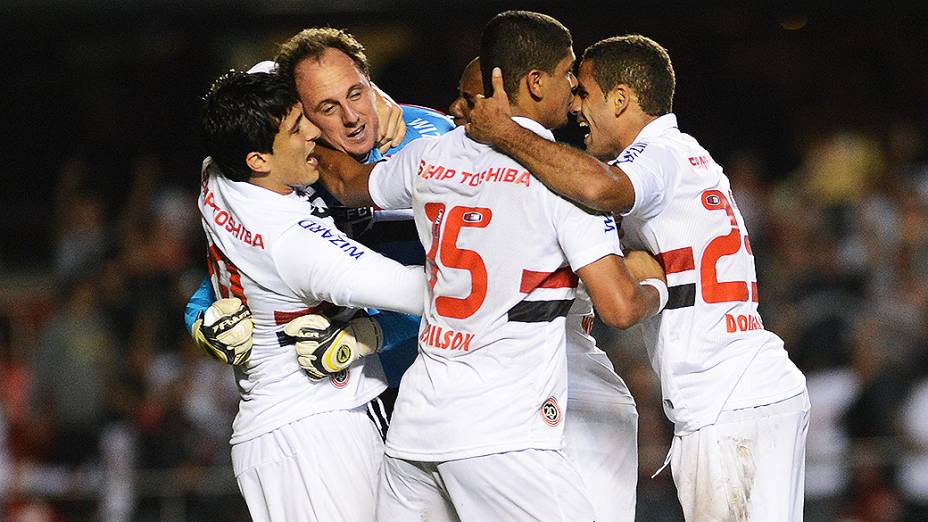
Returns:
(373, 156)
(534, 126)
(658, 126)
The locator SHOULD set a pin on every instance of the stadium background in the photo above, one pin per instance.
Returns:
(818, 115)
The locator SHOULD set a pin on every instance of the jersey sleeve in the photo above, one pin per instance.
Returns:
(584, 237)
(645, 167)
(319, 263)
(391, 180)
(201, 299)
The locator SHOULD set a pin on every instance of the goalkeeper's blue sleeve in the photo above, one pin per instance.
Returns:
(400, 343)
(199, 302)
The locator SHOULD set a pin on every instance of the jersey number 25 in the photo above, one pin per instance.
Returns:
(446, 227)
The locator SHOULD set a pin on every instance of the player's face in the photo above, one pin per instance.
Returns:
(596, 112)
(470, 86)
(559, 91)
(292, 161)
(337, 97)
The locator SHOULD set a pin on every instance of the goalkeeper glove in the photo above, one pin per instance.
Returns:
(326, 346)
(225, 331)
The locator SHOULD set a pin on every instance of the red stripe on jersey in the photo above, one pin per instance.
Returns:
(561, 278)
(587, 323)
(285, 317)
(679, 260)
(235, 283)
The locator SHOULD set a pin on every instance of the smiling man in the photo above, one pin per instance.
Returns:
(601, 430)
(328, 70)
(478, 428)
(271, 249)
(739, 406)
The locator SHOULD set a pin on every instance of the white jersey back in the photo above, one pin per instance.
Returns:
(270, 251)
(501, 249)
(709, 346)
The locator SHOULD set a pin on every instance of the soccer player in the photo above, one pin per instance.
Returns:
(270, 249)
(477, 429)
(601, 425)
(739, 405)
(329, 70)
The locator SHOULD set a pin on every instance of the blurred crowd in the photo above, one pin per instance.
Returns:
(108, 411)
(112, 413)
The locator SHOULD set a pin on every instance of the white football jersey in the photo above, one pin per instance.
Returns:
(501, 250)
(590, 374)
(709, 346)
(274, 253)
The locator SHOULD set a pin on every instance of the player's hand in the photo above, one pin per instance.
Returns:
(325, 346)
(492, 116)
(225, 331)
(392, 127)
(643, 265)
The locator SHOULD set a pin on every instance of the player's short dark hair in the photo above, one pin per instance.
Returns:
(311, 43)
(636, 61)
(241, 114)
(519, 41)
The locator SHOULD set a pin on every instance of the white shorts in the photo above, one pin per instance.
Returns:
(749, 465)
(602, 441)
(324, 467)
(529, 485)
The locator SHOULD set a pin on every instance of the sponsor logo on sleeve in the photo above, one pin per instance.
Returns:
(630, 154)
(609, 223)
(333, 236)
(700, 162)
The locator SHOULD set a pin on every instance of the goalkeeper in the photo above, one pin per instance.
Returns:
(276, 252)
(348, 122)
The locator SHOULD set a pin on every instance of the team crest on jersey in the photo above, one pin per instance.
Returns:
(340, 379)
(551, 412)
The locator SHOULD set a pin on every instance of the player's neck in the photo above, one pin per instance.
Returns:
(528, 112)
(268, 182)
(637, 122)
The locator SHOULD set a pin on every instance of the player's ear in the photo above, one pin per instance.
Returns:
(533, 82)
(620, 97)
(258, 162)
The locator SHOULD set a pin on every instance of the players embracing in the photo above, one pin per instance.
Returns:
(739, 406)
(442, 480)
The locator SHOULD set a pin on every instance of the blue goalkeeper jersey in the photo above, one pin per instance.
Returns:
(397, 242)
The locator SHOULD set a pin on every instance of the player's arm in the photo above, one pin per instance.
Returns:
(620, 299)
(386, 184)
(344, 177)
(222, 329)
(202, 297)
(592, 248)
(321, 264)
(325, 346)
(570, 172)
